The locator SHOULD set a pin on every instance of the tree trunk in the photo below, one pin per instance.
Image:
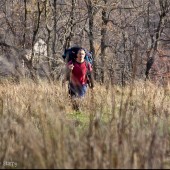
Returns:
(103, 43)
(91, 33)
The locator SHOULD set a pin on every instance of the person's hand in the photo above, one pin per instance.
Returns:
(71, 66)
(92, 88)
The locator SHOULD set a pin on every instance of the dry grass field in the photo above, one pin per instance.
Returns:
(116, 127)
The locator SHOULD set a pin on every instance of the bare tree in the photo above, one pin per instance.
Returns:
(164, 9)
(117, 32)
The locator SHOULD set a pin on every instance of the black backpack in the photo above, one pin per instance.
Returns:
(71, 53)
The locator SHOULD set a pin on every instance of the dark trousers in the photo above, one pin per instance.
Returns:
(77, 90)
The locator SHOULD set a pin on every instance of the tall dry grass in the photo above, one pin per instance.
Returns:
(116, 127)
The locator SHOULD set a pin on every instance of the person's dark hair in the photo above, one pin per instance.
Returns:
(81, 48)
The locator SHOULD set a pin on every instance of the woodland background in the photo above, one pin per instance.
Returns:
(125, 36)
(123, 122)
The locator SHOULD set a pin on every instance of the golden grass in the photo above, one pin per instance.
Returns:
(116, 127)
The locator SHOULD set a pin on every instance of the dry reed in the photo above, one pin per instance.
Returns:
(116, 127)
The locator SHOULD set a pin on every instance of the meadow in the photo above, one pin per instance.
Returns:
(116, 127)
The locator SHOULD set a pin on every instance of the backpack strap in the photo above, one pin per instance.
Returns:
(87, 66)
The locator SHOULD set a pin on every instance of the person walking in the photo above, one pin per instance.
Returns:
(80, 75)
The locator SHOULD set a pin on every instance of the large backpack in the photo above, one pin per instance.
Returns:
(71, 53)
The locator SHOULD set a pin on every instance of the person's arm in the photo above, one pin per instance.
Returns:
(67, 72)
(69, 68)
(91, 77)
(91, 80)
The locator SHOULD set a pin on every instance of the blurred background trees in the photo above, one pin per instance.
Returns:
(129, 39)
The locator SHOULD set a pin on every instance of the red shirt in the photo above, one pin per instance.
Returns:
(78, 76)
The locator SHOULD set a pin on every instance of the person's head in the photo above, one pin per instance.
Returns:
(80, 55)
